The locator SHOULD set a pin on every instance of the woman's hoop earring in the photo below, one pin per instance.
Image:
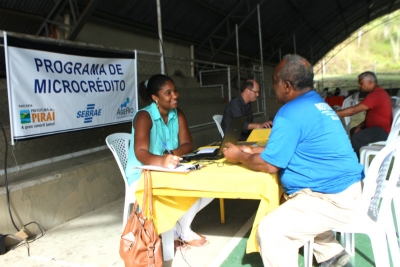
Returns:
(156, 103)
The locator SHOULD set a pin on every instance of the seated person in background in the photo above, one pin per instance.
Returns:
(379, 116)
(159, 122)
(241, 106)
(325, 92)
(335, 101)
(319, 195)
(344, 92)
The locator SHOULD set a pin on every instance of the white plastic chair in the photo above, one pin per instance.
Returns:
(396, 116)
(355, 98)
(374, 215)
(374, 148)
(348, 102)
(118, 143)
(395, 101)
(218, 118)
(347, 120)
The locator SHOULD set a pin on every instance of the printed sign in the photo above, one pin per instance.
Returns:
(56, 88)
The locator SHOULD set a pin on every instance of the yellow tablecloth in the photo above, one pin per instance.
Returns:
(175, 193)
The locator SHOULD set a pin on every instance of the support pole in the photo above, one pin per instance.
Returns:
(237, 54)
(261, 58)
(191, 60)
(160, 36)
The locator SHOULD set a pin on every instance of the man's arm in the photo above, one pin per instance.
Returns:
(232, 110)
(253, 125)
(251, 149)
(234, 154)
(350, 111)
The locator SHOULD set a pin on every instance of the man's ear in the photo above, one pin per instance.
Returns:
(287, 85)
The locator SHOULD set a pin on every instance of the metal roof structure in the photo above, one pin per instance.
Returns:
(310, 28)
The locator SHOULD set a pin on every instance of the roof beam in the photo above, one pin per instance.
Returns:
(83, 19)
(226, 18)
(342, 16)
(230, 34)
(10, 12)
(54, 12)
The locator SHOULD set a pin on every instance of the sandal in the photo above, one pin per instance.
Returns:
(198, 242)
(180, 245)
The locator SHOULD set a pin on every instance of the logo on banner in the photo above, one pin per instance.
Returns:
(25, 116)
(124, 110)
(89, 113)
(38, 117)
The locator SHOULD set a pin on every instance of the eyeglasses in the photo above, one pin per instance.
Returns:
(257, 92)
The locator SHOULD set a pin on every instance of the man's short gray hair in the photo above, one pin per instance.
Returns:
(298, 71)
(368, 76)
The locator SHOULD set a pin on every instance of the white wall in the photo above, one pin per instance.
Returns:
(96, 34)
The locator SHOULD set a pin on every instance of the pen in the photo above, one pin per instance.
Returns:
(166, 148)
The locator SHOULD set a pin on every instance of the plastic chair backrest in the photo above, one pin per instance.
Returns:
(355, 98)
(395, 101)
(375, 182)
(394, 133)
(396, 117)
(218, 118)
(347, 102)
(118, 143)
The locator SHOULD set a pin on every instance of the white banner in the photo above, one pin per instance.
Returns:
(54, 88)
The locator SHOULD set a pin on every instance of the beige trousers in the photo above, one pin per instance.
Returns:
(305, 215)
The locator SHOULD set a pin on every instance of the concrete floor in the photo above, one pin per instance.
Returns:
(93, 239)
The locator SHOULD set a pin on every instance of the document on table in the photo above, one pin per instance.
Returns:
(179, 168)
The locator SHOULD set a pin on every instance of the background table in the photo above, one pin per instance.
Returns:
(175, 193)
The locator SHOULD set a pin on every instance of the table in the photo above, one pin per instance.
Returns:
(334, 100)
(175, 193)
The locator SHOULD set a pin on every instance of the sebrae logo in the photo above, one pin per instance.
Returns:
(89, 113)
(124, 110)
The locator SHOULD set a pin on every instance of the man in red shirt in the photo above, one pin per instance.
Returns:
(378, 118)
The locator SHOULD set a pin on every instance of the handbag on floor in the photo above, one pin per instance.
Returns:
(140, 245)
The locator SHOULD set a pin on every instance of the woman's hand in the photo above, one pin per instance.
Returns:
(170, 161)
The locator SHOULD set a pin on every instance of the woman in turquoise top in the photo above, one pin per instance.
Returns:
(157, 124)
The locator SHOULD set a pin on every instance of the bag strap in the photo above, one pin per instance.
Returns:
(144, 192)
(148, 193)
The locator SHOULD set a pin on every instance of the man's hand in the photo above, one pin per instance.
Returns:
(267, 124)
(246, 149)
(359, 128)
(232, 153)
